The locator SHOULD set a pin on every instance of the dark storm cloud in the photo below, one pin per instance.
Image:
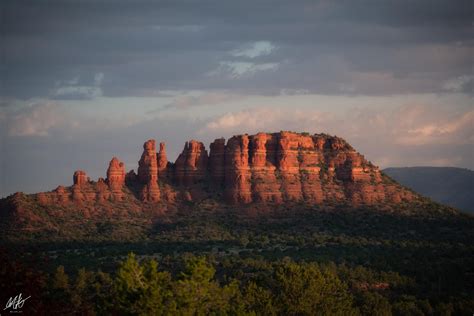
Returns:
(152, 45)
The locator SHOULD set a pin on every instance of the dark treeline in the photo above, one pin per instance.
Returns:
(198, 285)
(204, 260)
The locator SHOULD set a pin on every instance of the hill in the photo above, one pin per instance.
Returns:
(446, 185)
(256, 172)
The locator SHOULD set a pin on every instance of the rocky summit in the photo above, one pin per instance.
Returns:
(266, 168)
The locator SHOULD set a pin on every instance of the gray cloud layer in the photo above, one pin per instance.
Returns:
(368, 47)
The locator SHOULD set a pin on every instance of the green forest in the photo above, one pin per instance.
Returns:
(209, 260)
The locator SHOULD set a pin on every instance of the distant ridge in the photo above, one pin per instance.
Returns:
(448, 185)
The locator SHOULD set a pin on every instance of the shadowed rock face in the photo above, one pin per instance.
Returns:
(263, 168)
(162, 161)
(217, 162)
(80, 178)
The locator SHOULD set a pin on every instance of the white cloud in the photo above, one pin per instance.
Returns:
(254, 50)
(439, 130)
(73, 81)
(459, 84)
(35, 120)
(76, 92)
(288, 91)
(98, 78)
(208, 98)
(72, 90)
(268, 119)
(238, 69)
(179, 28)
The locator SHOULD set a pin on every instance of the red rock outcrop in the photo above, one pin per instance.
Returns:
(276, 168)
(162, 161)
(288, 166)
(148, 172)
(191, 165)
(82, 189)
(217, 162)
(237, 172)
(80, 178)
(61, 195)
(103, 193)
(131, 177)
(116, 178)
(265, 186)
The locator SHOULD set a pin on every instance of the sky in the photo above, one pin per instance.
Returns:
(82, 81)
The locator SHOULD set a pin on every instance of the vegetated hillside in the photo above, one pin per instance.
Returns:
(280, 260)
(447, 185)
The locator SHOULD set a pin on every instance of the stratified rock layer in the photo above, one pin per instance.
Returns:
(286, 166)
(283, 167)
(148, 172)
(116, 178)
(237, 180)
(162, 161)
(80, 178)
(217, 162)
(191, 165)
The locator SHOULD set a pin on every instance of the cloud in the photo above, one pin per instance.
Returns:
(286, 91)
(179, 28)
(35, 120)
(441, 130)
(253, 50)
(76, 93)
(240, 69)
(329, 47)
(73, 90)
(463, 83)
(98, 78)
(208, 98)
(267, 119)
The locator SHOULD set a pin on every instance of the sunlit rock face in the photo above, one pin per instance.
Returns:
(191, 165)
(116, 178)
(148, 173)
(284, 167)
(287, 166)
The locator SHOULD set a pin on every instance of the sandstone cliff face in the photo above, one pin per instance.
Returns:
(191, 166)
(237, 180)
(217, 162)
(162, 161)
(263, 168)
(81, 191)
(148, 172)
(80, 178)
(116, 178)
(265, 186)
(286, 166)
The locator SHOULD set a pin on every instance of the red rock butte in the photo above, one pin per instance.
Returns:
(271, 168)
